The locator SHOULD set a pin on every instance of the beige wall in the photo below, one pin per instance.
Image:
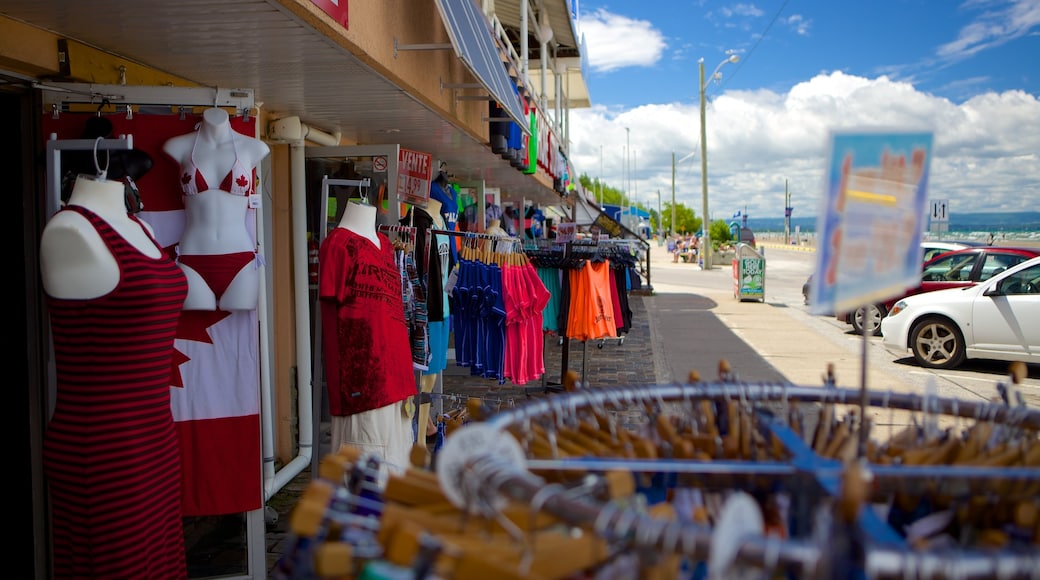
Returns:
(375, 24)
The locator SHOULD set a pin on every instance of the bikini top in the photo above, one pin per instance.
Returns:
(238, 181)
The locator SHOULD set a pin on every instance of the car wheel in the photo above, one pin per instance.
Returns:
(869, 317)
(937, 343)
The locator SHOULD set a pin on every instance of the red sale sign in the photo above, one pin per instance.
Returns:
(414, 172)
(337, 9)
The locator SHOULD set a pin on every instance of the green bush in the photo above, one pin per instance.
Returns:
(720, 234)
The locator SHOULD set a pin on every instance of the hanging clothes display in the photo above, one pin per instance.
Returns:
(622, 270)
(551, 279)
(479, 316)
(497, 304)
(433, 261)
(525, 298)
(413, 293)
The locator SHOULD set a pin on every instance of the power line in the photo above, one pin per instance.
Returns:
(747, 57)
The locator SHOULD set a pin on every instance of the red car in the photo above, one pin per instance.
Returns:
(953, 269)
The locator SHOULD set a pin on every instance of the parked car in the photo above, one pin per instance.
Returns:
(965, 267)
(995, 319)
(930, 249)
(933, 248)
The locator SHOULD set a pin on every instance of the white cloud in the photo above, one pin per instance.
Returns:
(799, 24)
(993, 28)
(986, 151)
(740, 10)
(616, 42)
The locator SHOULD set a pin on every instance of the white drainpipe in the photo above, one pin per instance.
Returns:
(273, 482)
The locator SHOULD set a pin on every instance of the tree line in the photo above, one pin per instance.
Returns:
(686, 219)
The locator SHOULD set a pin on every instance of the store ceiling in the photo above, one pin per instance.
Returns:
(292, 68)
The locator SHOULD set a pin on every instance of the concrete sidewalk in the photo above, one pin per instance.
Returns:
(699, 322)
(780, 331)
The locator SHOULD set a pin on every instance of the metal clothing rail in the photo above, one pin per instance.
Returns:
(408, 231)
(488, 476)
(475, 459)
(479, 236)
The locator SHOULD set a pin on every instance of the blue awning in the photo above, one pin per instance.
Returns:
(475, 45)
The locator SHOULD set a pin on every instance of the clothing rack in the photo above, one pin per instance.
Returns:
(572, 255)
(518, 243)
(407, 232)
(827, 551)
(491, 460)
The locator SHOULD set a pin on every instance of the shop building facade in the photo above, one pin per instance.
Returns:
(336, 89)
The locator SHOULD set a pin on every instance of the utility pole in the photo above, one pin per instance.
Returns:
(706, 247)
(672, 231)
(660, 225)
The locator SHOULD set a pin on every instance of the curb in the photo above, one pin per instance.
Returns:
(786, 247)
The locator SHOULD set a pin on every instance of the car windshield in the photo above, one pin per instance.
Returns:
(950, 269)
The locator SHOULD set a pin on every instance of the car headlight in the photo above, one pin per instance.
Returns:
(897, 308)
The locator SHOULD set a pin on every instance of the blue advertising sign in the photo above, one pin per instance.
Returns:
(871, 218)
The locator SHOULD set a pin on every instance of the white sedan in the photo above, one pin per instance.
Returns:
(997, 319)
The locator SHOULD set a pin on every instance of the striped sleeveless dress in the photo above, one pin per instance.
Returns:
(111, 455)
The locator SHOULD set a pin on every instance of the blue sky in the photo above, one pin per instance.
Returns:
(968, 71)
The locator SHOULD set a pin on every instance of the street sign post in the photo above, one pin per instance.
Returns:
(939, 216)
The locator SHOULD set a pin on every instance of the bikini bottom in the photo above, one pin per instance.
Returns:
(217, 270)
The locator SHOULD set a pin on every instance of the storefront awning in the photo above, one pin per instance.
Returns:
(474, 44)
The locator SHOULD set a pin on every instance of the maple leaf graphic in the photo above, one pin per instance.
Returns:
(242, 181)
(193, 325)
(176, 379)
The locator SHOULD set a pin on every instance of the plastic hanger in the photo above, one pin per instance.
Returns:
(102, 173)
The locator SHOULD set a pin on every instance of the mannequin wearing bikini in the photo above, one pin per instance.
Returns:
(74, 261)
(217, 251)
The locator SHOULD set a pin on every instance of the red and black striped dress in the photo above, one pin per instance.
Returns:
(111, 454)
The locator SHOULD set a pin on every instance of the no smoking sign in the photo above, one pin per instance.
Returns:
(379, 163)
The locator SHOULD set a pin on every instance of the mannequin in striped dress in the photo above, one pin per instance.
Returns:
(111, 455)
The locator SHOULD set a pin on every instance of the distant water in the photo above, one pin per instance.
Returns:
(1005, 227)
(996, 236)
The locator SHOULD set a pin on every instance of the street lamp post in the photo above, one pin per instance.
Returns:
(628, 177)
(672, 231)
(706, 249)
(599, 182)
